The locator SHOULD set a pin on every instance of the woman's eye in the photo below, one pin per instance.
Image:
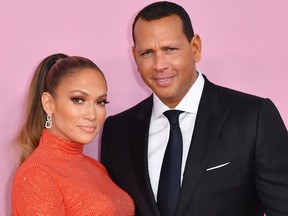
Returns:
(78, 100)
(103, 102)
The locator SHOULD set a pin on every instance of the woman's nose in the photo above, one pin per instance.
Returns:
(90, 112)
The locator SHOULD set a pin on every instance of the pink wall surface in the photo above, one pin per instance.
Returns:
(244, 47)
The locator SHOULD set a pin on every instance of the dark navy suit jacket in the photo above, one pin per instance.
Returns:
(237, 162)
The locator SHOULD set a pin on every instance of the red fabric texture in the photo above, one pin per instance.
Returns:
(58, 179)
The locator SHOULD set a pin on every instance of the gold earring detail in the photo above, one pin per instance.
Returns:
(48, 123)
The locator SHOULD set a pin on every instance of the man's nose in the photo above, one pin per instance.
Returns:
(160, 61)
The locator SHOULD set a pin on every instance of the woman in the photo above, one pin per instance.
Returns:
(68, 97)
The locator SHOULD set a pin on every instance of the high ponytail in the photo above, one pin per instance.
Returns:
(35, 117)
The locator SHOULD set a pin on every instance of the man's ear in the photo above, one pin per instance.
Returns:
(134, 53)
(133, 49)
(196, 47)
(48, 102)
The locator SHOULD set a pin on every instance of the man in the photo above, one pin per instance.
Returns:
(235, 146)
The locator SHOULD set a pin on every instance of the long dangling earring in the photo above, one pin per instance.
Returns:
(48, 123)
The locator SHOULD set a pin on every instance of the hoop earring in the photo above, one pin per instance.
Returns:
(48, 123)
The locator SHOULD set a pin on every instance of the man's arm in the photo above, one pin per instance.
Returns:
(271, 161)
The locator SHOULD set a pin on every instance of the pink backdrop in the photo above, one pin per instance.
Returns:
(244, 47)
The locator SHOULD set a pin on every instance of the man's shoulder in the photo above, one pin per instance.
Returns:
(237, 95)
(230, 95)
(237, 100)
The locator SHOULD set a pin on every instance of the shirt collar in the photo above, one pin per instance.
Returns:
(189, 103)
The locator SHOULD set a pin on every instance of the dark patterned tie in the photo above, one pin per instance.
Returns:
(170, 176)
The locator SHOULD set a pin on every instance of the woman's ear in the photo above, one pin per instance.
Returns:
(48, 102)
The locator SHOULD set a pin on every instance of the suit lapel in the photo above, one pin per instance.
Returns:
(209, 122)
(139, 147)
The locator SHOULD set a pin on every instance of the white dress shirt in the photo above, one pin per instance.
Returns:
(160, 127)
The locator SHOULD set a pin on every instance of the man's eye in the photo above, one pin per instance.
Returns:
(171, 49)
(146, 53)
(78, 100)
(103, 102)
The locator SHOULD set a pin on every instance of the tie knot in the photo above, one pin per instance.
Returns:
(173, 116)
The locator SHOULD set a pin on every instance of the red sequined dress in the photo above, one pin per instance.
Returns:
(57, 179)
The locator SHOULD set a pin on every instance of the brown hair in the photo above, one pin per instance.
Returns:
(47, 77)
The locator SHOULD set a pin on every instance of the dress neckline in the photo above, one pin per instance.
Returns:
(53, 142)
